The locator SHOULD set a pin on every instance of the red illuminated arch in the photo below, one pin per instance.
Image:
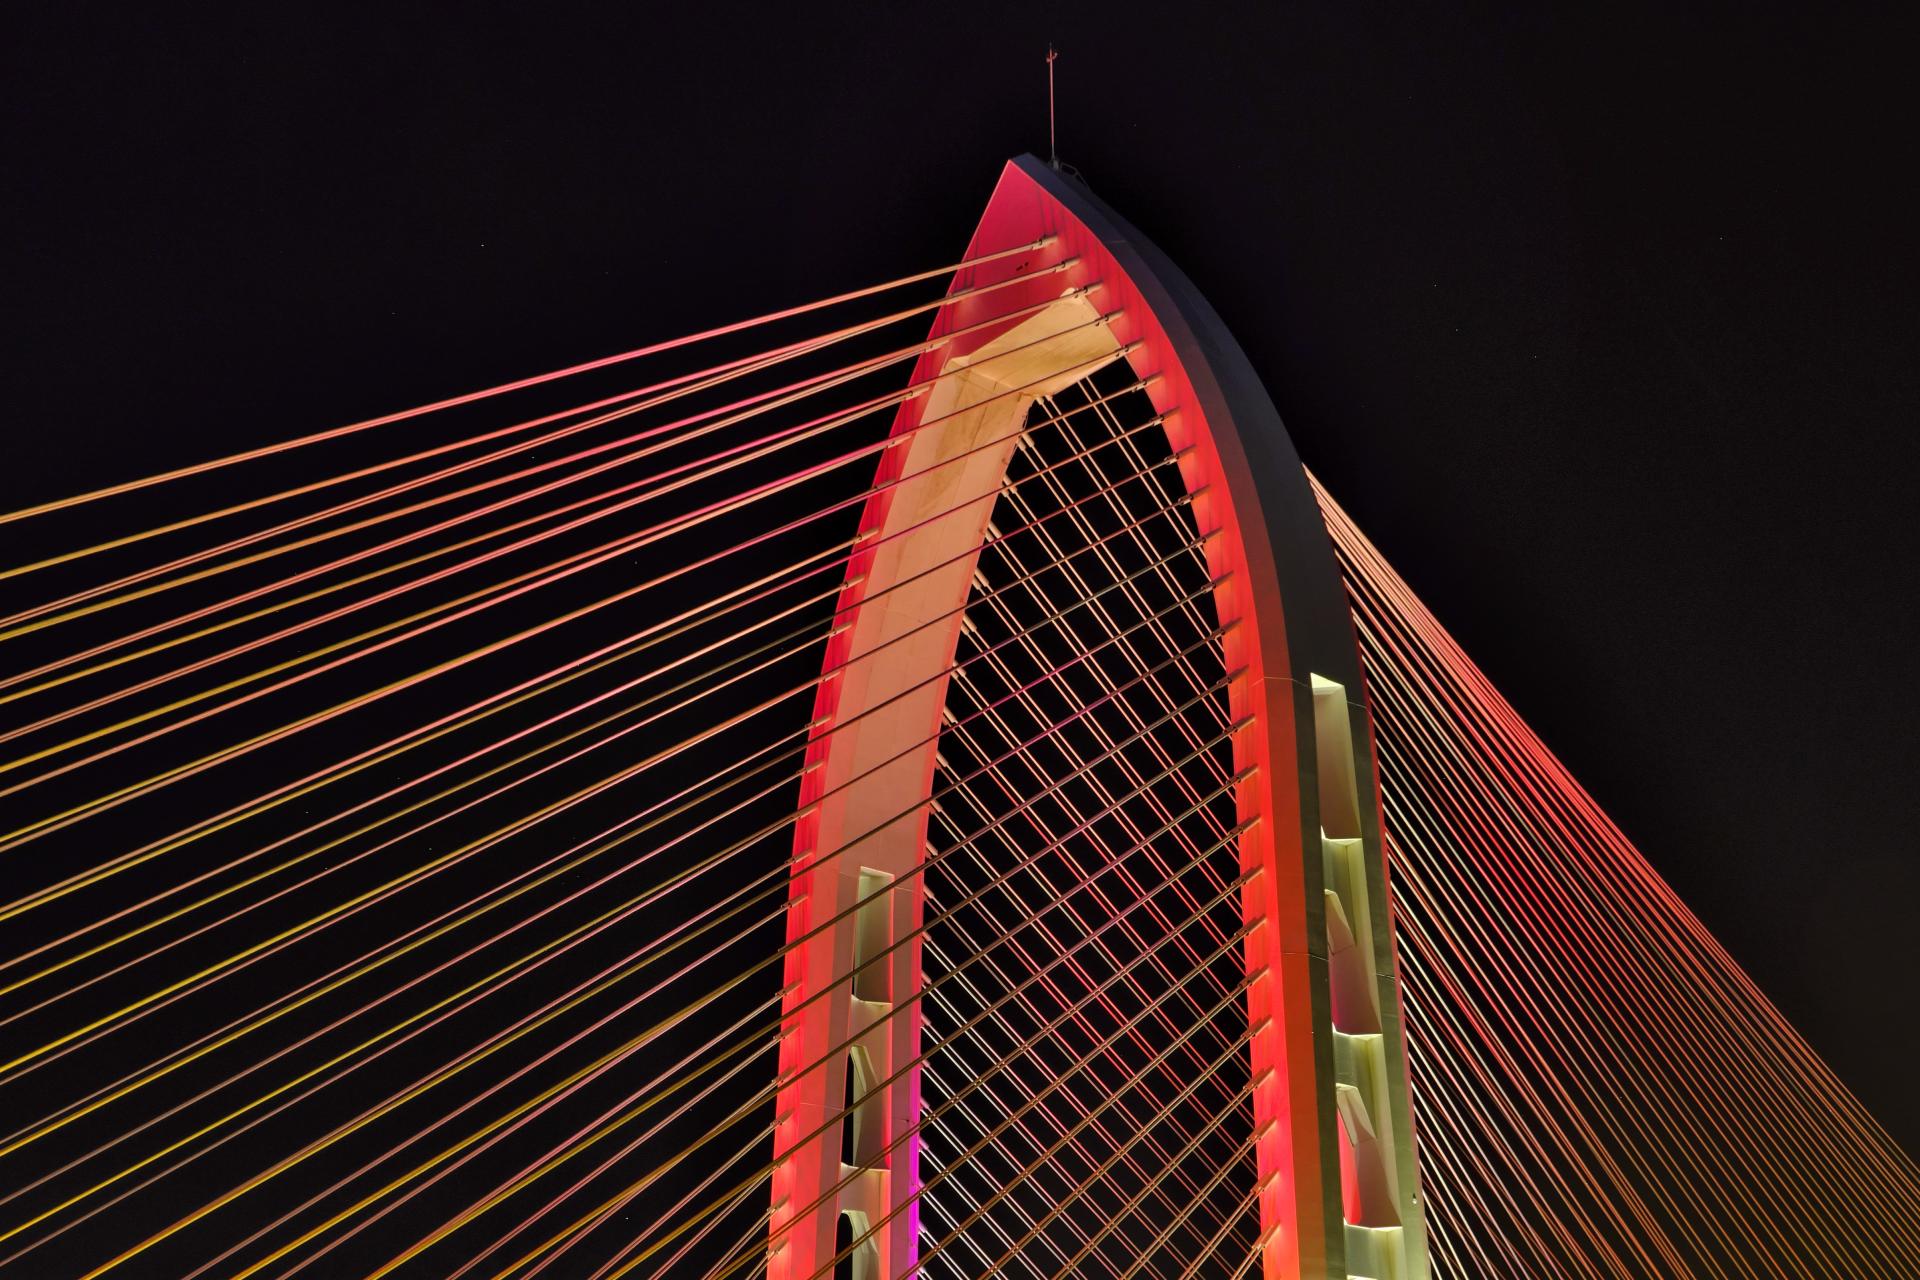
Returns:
(1335, 1153)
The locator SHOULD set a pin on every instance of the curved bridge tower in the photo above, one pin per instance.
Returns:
(1339, 1191)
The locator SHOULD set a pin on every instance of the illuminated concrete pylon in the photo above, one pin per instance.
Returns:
(1340, 1192)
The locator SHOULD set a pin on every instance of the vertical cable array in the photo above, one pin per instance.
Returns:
(1161, 1179)
(1600, 1090)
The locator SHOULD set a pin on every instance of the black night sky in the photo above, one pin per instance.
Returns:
(1601, 320)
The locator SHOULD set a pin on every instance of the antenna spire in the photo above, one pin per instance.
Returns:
(1053, 139)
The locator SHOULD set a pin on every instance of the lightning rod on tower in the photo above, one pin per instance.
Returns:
(1053, 139)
